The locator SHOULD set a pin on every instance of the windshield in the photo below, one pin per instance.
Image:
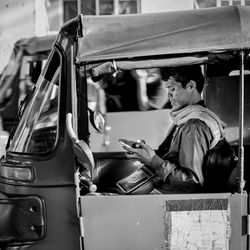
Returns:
(37, 130)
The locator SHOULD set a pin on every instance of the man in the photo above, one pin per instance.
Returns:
(179, 159)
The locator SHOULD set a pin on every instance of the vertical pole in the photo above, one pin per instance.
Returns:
(97, 7)
(241, 125)
(204, 71)
(138, 6)
(196, 5)
(116, 7)
(74, 125)
(218, 3)
(79, 7)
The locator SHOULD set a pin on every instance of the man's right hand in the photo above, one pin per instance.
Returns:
(143, 152)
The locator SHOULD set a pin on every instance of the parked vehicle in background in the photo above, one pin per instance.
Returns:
(58, 192)
(19, 76)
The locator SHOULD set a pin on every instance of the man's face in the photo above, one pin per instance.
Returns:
(178, 96)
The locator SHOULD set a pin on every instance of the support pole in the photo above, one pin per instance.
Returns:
(241, 126)
(79, 7)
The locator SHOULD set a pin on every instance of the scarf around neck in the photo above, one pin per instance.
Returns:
(197, 111)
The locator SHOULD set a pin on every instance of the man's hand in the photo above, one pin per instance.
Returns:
(138, 150)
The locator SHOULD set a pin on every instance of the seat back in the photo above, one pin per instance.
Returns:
(219, 168)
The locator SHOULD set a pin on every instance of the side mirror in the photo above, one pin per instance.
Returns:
(97, 120)
(80, 147)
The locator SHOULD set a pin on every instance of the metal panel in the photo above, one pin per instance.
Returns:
(22, 219)
(142, 221)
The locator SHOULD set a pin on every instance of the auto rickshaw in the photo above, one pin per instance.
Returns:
(20, 75)
(56, 192)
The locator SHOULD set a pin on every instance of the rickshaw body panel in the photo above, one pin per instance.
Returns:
(165, 221)
(50, 228)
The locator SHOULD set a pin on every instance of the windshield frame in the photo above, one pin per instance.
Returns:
(19, 136)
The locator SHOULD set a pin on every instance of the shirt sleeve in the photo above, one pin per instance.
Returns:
(182, 164)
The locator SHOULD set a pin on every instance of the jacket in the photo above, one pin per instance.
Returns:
(179, 159)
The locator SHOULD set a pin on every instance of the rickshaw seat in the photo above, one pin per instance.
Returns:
(219, 168)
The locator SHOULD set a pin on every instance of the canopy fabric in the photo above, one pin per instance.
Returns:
(179, 32)
(33, 45)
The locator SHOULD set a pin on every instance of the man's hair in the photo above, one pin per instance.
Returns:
(184, 74)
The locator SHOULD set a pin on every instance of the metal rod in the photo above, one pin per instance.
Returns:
(79, 7)
(241, 126)
(218, 3)
(97, 7)
(116, 7)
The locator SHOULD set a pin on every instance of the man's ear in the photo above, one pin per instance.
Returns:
(191, 85)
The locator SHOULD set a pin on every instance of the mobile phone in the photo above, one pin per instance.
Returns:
(125, 144)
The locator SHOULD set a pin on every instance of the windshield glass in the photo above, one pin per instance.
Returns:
(37, 130)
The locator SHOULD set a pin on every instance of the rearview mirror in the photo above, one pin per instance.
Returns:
(97, 120)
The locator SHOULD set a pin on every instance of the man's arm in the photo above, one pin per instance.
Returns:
(182, 165)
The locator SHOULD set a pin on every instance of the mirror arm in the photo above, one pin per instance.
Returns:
(83, 153)
(70, 130)
(80, 147)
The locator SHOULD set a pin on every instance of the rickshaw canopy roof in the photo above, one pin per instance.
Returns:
(170, 33)
(33, 45)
